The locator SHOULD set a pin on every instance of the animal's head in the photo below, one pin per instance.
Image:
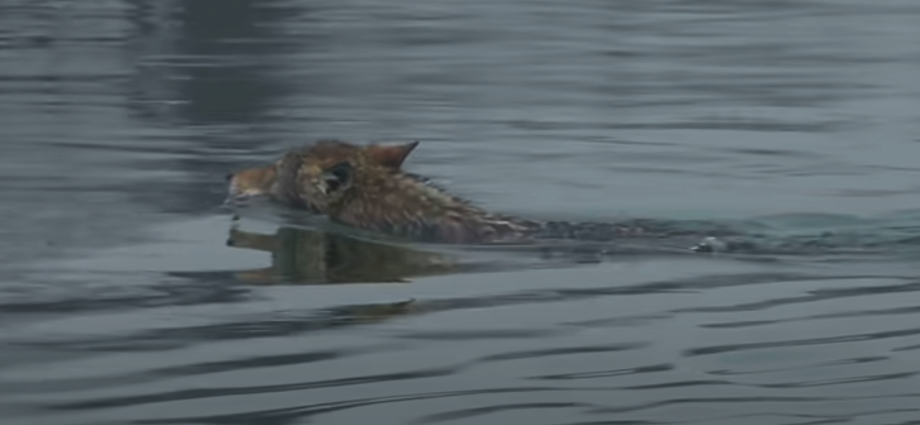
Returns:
(332, 169)
(317, 176)
(250, 183)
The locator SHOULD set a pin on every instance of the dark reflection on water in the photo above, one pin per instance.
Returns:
(312, 257)
(127, 296)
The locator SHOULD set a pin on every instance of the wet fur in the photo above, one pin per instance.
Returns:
(379, 195)
(364, 187)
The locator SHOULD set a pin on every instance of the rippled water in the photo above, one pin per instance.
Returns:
(121, 301)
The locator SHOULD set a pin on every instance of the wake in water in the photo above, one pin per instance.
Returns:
(777, 235)
(822, 234)
(309, 249)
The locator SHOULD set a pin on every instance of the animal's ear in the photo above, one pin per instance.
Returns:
(391, 155)
(338, 177)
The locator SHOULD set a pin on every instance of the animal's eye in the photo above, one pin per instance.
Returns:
(229, 177)
(338, 177)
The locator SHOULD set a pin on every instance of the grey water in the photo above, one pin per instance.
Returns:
(127, 296)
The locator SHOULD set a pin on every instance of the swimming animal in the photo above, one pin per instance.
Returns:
(366, 188)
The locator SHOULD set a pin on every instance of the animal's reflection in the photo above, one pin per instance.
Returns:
(304, 256)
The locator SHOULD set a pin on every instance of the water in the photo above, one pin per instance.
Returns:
(122, 303)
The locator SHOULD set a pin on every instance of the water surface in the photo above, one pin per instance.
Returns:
(122, 302)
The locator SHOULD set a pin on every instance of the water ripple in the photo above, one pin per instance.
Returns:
(608, 373)
(718, 349)
(192, 394)
(563, 352)
(293, 414)
(498, 408)
(817, 295)
(122, 116)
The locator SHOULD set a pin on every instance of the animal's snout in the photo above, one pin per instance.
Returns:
(235, 196)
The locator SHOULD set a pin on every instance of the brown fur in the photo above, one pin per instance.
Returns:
(252, 182)
(365, 187)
